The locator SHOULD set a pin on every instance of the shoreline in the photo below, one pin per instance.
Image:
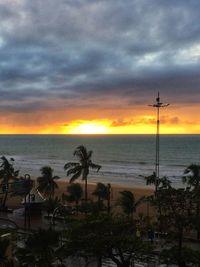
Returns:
(97, 180)
(138, 191)
(125, 160)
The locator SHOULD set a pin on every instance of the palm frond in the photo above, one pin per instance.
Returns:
(56, 177)
(101, 190)
(71, 165)
(128, 203)
(95, 166)
(151, 179)
(46, 171)
(81, 152)
(192, 175)
(75, 176)
(75, 191)
(74, 170)
(46, 182)
(128, 195)
(186, 171)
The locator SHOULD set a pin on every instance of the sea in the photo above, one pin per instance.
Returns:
(125, 159)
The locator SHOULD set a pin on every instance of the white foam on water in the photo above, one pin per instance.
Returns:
(124, 159)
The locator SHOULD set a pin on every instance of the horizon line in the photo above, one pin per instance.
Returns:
(96, 134)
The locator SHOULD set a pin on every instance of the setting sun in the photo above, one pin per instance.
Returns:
(89, 128)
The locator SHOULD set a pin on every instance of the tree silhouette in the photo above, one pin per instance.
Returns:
(75, 193)
(39, 249)
(81, 168)
(102, 192)
(128, 203)
(46, 182)
(112, 237)
(192, 179)
(176, 219)
(7, 173)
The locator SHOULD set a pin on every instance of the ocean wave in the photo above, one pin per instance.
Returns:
(127, 162)
(121, 157)
(176, 165)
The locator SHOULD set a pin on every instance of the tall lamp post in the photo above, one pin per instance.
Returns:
(158, 105)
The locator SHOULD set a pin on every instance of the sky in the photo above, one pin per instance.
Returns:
(95, 66)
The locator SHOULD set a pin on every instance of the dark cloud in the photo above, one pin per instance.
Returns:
(86, 53)
(163, 119)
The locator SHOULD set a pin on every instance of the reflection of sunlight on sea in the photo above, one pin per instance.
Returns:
(124, 158)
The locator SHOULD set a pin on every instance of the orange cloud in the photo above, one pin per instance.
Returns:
(175, 119)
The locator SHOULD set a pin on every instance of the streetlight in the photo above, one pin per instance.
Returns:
(158, 105)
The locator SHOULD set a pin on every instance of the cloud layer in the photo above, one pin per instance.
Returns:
(70, 54)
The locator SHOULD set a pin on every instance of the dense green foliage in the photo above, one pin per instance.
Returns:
(39, 249)
(74, 194)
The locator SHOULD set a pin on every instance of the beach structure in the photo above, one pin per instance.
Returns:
(158, 105)
(32, 203)
(36, 199)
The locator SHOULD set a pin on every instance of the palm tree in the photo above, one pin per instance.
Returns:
(102, 192)
(192, 179)
(7, 173)
(128, 203)
(151, 179)
(81, 168)
(163, 182)
(46, 182)
(75, 193)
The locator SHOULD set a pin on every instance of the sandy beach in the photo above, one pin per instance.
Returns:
(15, 202)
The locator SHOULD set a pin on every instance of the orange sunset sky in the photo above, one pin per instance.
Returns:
(137, 120)
(93, 67)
